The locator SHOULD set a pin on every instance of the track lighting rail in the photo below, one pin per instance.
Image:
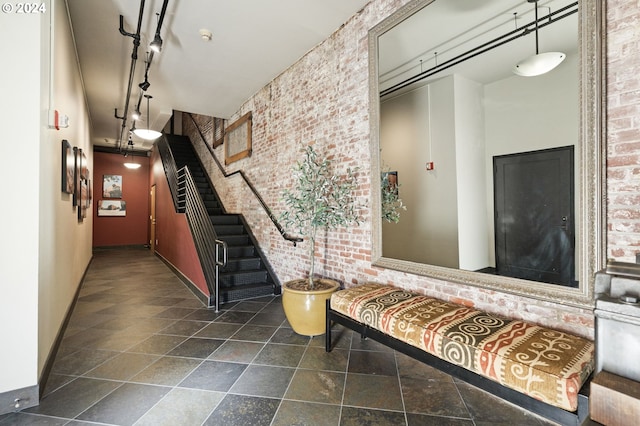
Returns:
(134, 57)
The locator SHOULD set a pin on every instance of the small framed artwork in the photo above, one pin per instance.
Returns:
(237, 139)
(68, 167)
(77, 154)
(84, 199)
(84, 171)
(112, 186)
(218, 131)
(112, 208)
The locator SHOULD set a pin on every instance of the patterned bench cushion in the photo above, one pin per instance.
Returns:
(545, 364)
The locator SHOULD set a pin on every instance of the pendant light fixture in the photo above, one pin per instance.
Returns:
(540, 63)
(147, 133)
(132, 163)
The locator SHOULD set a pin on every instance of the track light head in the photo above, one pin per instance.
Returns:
(136, 114)
(144, 85)
(156, 44)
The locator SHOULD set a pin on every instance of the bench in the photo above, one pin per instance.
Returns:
(539, 369)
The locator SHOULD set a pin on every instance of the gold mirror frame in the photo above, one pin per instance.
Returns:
(591, 225)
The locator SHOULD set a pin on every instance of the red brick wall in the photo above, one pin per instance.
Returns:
(623, 129)
(323, 98)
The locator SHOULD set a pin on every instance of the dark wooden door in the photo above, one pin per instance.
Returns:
(534, 217)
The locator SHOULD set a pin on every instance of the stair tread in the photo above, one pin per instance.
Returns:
(248, 285)
(244, 272)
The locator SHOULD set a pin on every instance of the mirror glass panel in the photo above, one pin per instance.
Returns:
(499, 173)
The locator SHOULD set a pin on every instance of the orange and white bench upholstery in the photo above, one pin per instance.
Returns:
(545, 365)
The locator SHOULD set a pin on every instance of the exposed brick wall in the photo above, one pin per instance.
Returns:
(623, 129)
(323, 98)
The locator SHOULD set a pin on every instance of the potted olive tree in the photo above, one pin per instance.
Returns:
(318, 199)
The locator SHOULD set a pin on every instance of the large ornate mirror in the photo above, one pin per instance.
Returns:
(500, 171)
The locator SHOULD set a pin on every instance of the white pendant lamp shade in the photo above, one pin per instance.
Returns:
(538, 64)
(147, 134)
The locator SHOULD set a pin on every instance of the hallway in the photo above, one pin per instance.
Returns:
(141, 349)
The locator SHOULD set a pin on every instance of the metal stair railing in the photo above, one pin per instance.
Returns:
(212, 251)
(266, 208)
(170, 170)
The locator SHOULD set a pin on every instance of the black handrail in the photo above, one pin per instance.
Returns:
(187, 200)
(170, 171)
(273, 218)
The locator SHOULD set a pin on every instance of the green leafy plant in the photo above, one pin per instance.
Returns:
(319, 199)
(390, 200)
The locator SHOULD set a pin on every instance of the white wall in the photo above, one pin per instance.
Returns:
(473, 238)
(427, 231)
(45, 250)
(20, 109)
(65, 244)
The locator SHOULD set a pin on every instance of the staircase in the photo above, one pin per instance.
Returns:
(247, 274)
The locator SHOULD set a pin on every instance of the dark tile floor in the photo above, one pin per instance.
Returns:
(141, 349)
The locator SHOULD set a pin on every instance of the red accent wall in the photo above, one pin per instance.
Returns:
(132, 229)
(174, 241)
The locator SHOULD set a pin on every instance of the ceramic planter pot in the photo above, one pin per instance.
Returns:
(305, 309)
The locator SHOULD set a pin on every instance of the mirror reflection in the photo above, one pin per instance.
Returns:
(485, 155)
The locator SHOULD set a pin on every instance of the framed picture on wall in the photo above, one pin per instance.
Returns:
(112, 186)
(89, 192)
(84, 199)
(112, 208)
(77, 154)
(68, 167)
(84, 171)
(237, 139)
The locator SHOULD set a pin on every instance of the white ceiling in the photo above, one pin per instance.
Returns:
(253, 41)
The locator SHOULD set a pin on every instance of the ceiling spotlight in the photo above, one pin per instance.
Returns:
(540, 63)
(156, 44)
(145, 84)
(147, 133)
(205, 35)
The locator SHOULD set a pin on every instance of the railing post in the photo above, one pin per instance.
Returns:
(219, 264)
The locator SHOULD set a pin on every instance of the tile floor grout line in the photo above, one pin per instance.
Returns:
(404, 406)
(346, 374)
